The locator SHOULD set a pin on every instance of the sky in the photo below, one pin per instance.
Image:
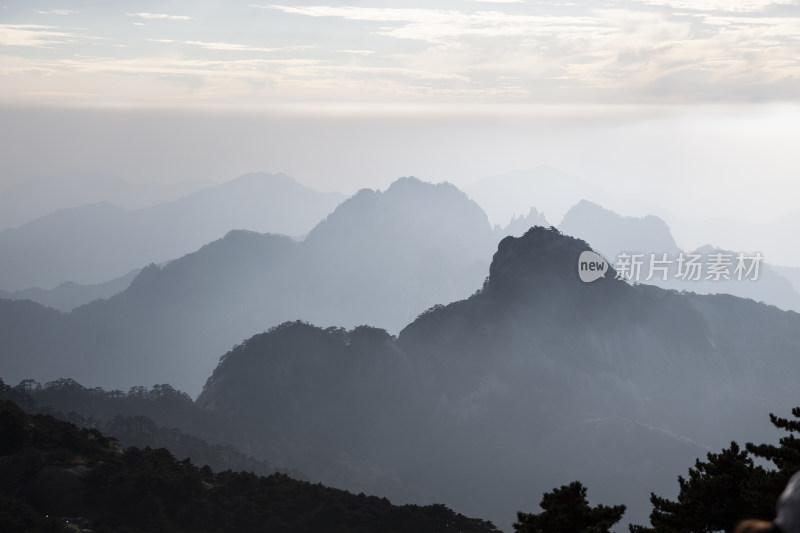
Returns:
(441, 51)
(669, 101)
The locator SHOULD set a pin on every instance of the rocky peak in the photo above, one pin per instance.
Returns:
(541, 257)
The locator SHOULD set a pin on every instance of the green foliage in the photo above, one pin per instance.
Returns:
(145, 490)
(17, 515)
(141, 431)
(785, 456)
(729, 486)
(148, 490)
(716, 496)
(20, 431)
(566, 510)
(129, 417)
(12, 428)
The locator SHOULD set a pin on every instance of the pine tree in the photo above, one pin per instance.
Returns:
(729, 487)
(717, 495)
(785, 456)
(566, 510)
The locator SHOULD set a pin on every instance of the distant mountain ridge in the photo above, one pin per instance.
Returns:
(68, 295)
(380, 258)
(34, 198)
(612, 234)
(94, 243)
(512, 194)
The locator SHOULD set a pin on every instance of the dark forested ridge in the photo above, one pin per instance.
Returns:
(52, 468)
(47, 468)
(159, 417)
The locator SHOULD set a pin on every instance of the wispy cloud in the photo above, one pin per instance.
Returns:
(357, 52)
(440, 26)
(231, 47)
(36, 36)
(728, 6)
(157, 16)
(229, 80)
(57, 12)
(653, 50)
(633, 52)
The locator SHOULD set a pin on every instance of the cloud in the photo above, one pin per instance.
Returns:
(57, 12)
(36, 36)
(729, 6)
(626, 52)
(233, 80)
(157, 16)
(440, 26)
(746, 50)
(232, 47)
(357, 52)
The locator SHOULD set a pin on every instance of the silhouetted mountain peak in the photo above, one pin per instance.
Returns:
(412, 201)
(252, 250)
(518, 225)
(279, 181)
(587, 208)
(541, 257)
(406, 214)
(612, 233)
(415, 191)
(410, 188)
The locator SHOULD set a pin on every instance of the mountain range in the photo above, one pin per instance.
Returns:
(513, 194)
(380, 258)
(68, 295)
(26, 201)
(612, 234)
(769, 237)
(534, 380)
(94, 243)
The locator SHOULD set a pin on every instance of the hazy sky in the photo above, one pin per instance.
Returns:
(245, 52)
(667, 99)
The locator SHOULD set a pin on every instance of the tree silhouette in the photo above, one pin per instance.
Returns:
(729, 487)
(566, 510)
(717, 495)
